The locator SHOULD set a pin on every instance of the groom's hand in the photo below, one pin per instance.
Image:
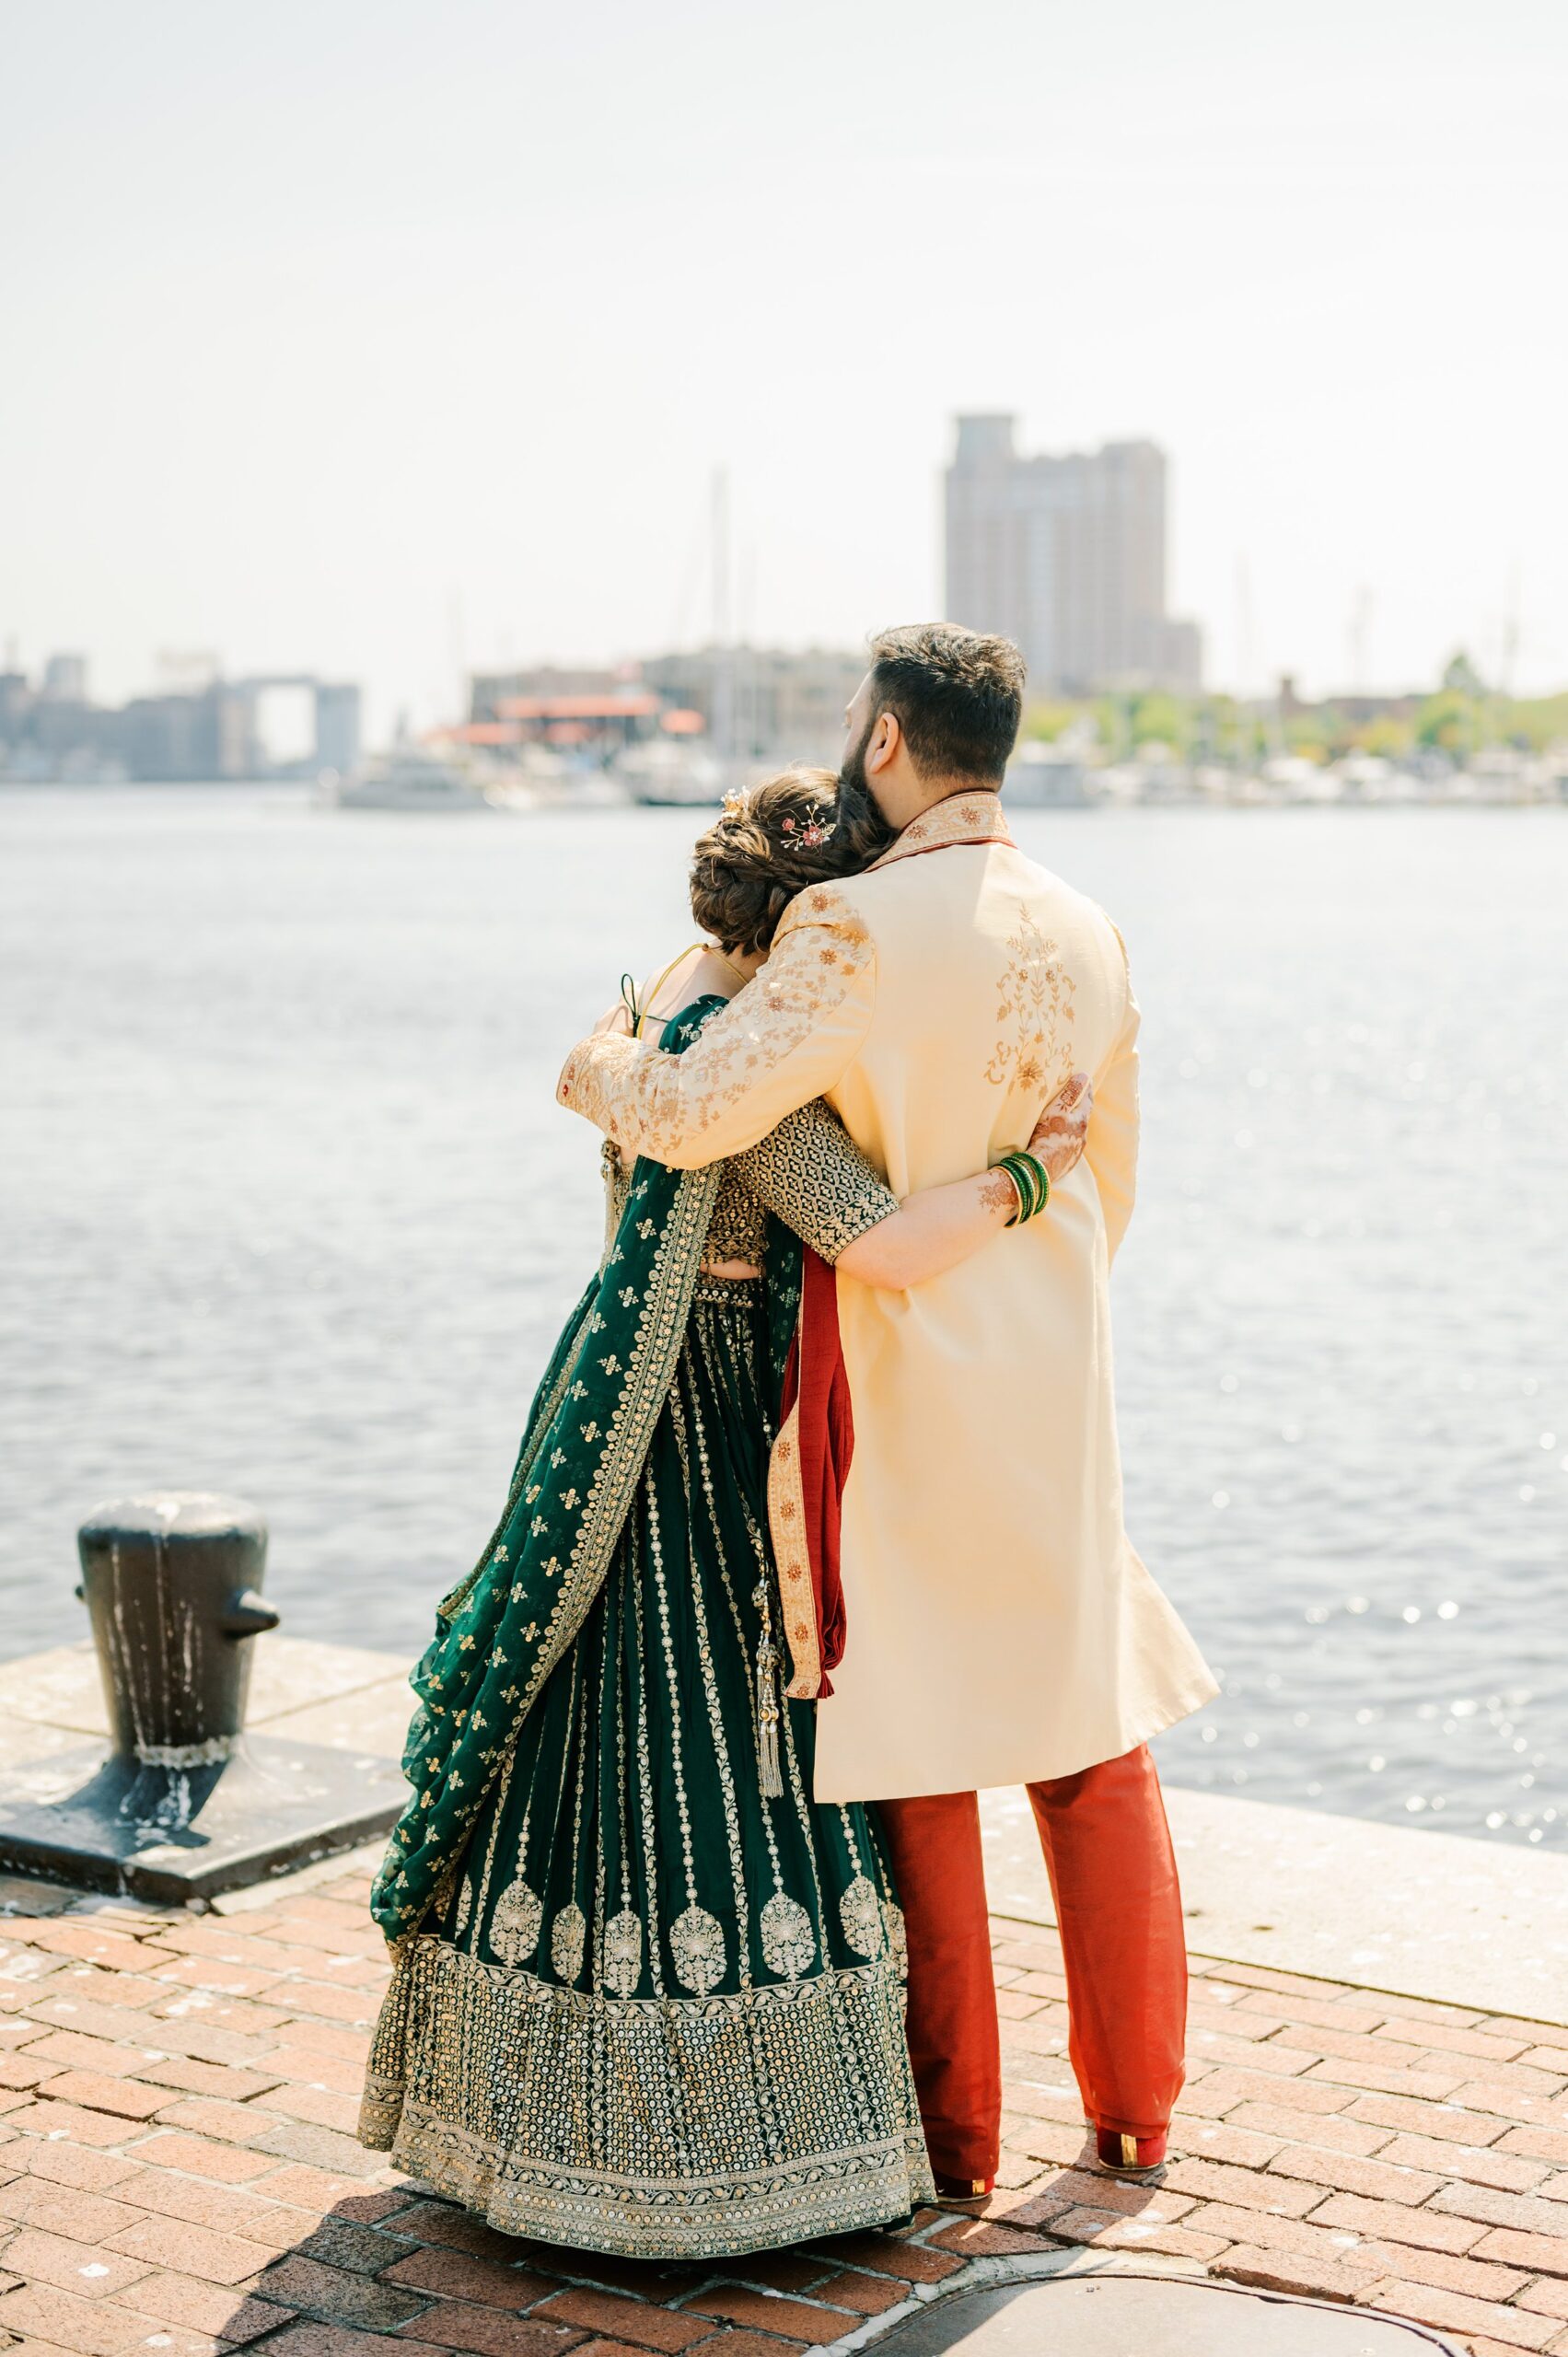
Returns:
(1058, 1135)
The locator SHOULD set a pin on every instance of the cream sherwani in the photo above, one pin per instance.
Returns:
(1001, 1629)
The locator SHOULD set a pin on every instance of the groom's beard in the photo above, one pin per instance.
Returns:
(862, 834)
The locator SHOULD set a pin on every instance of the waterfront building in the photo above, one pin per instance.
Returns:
(544, 683)
(752, 703)
(16, 702)
(337, 726)
(763, 703)
(1067, 555)
(53, 731)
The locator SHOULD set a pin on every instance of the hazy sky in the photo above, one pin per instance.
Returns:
(371, 337)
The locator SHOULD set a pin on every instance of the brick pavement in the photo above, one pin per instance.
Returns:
(178, 2170)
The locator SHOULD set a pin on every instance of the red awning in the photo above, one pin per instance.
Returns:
(628, 707)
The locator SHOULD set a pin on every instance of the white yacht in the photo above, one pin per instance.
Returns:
(407, 779)
(664, 772)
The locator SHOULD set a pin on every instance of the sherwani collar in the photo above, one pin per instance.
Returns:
(973, 816)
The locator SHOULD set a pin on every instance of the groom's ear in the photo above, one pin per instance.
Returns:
(882, 746)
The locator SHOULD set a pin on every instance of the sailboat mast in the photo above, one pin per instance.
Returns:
(723, 716)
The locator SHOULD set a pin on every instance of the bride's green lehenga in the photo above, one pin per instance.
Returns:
(647, 1997)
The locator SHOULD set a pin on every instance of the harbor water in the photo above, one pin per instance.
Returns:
(289, 1210)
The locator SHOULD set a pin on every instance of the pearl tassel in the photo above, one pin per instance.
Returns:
(767, 1700)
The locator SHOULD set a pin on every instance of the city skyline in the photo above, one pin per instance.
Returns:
(420, 360)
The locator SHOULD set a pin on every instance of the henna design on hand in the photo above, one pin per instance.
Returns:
(1060, 1134)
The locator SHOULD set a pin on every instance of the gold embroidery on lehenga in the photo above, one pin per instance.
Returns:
(898, 1938)
(789, 1945)
(696, 1944)
(713, 1320)
(860, 1912)
(568, 1938)
(514, 1926)
(474, 2069)
(622, 1952)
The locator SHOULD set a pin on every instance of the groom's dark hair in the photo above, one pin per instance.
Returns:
(957, 695)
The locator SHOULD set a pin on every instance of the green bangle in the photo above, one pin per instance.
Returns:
(1032, 1181)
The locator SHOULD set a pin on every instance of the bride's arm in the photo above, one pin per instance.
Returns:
(936, 1228)
(811, 1173)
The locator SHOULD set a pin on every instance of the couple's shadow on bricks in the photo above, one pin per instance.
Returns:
(394, 2259)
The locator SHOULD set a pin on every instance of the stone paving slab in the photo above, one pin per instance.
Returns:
(1426, 1915)
(375, 1719)
(178, 2170)
(62, 1688)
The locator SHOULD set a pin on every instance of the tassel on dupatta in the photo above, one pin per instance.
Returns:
(772, 1775)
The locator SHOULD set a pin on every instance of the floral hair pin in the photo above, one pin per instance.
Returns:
(813, 835)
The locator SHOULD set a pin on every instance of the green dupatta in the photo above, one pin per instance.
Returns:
(502, 1631)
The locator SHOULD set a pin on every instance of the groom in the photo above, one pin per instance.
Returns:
(1001, 1630)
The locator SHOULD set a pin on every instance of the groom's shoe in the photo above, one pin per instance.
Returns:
(963, 2192)
(1138, 2159)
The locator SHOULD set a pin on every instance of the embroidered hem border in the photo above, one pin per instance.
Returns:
(703, 2127)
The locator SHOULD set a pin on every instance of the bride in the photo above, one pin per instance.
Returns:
(647, 1995)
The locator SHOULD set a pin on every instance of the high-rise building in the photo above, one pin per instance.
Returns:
(64, 679)
(1067, 556)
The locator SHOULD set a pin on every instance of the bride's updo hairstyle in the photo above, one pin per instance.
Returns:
(771, 841)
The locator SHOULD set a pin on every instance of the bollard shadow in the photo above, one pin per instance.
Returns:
(175, 1833)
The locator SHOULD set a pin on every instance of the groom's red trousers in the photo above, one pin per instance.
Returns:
(1119, 1909)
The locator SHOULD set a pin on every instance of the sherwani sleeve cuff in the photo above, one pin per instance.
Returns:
(589, 1074)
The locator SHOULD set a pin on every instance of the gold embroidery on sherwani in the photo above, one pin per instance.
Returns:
(820, 953)
(787, 1522)
(973, 815)
(1034, 996)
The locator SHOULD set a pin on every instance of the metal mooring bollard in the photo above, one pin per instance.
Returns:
(186, 1805)
(172, 1585)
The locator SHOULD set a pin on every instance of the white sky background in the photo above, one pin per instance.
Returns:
(358, 337)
